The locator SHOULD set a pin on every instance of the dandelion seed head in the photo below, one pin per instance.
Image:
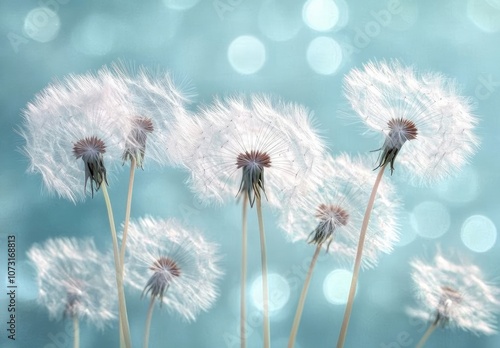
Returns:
(331, 216)
(160, 101)
(75, 279)
(83, 117)
(426, 124)
(91, 151)
(164, 271)
(454, 295)
(136, 141)
(170, 263)
(257, 145)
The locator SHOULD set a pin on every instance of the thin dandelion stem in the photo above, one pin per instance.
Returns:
(119, 279)
(76, 332)
(148, 322)
(302, 299)
(427, 333)
(357, 262)
(243, 271)
(127, 210)
(265, 294)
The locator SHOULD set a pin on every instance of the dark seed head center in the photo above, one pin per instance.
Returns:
(91, 150)
(166, 265)
(333, 213)
(252, 164)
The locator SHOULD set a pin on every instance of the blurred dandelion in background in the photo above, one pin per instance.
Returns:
(75, 281)
(453, 294)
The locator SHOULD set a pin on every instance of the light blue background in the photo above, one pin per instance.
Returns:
(447, 36)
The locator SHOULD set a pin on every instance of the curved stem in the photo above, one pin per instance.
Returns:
(243, 271)
(302, 299)
(76, 330)
(148, 322)
(263, 255)
(119, 279)
(357, 262)
(127, 211)
(427, 333)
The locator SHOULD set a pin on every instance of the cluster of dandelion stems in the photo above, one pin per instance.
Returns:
(251, 188)
(91, 151)
(401, 130)
(331, 216)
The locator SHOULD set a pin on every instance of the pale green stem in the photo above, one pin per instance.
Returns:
(119, 279)
(357, 262)
(427, 333)
(148, 322)
(243, 271)
(76, 330)
(302, 299)
(127, 210)
(265, 294)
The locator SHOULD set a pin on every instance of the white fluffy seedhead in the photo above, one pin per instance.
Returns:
(454, 295)
(255, 145)
(157, 101)
(172, 264)
(332, 214)
(74, 278)
(426, 124)
(67, 113)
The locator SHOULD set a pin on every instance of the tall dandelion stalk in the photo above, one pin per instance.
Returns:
(330, 218)
(256, 148)
(420, 111)
(244, 249)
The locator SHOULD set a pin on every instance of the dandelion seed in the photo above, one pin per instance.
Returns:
(423, 112)
(74, 280)
(454, 295)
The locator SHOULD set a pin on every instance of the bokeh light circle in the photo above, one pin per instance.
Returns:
(246, 54)
(279, 292)
(407, 233)
(485, 14)
(478, 233)
(324, 55)
(320, 15)
(42, 24)
(336, 286)
(430, 219)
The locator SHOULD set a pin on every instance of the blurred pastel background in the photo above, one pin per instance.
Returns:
(299, 50)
